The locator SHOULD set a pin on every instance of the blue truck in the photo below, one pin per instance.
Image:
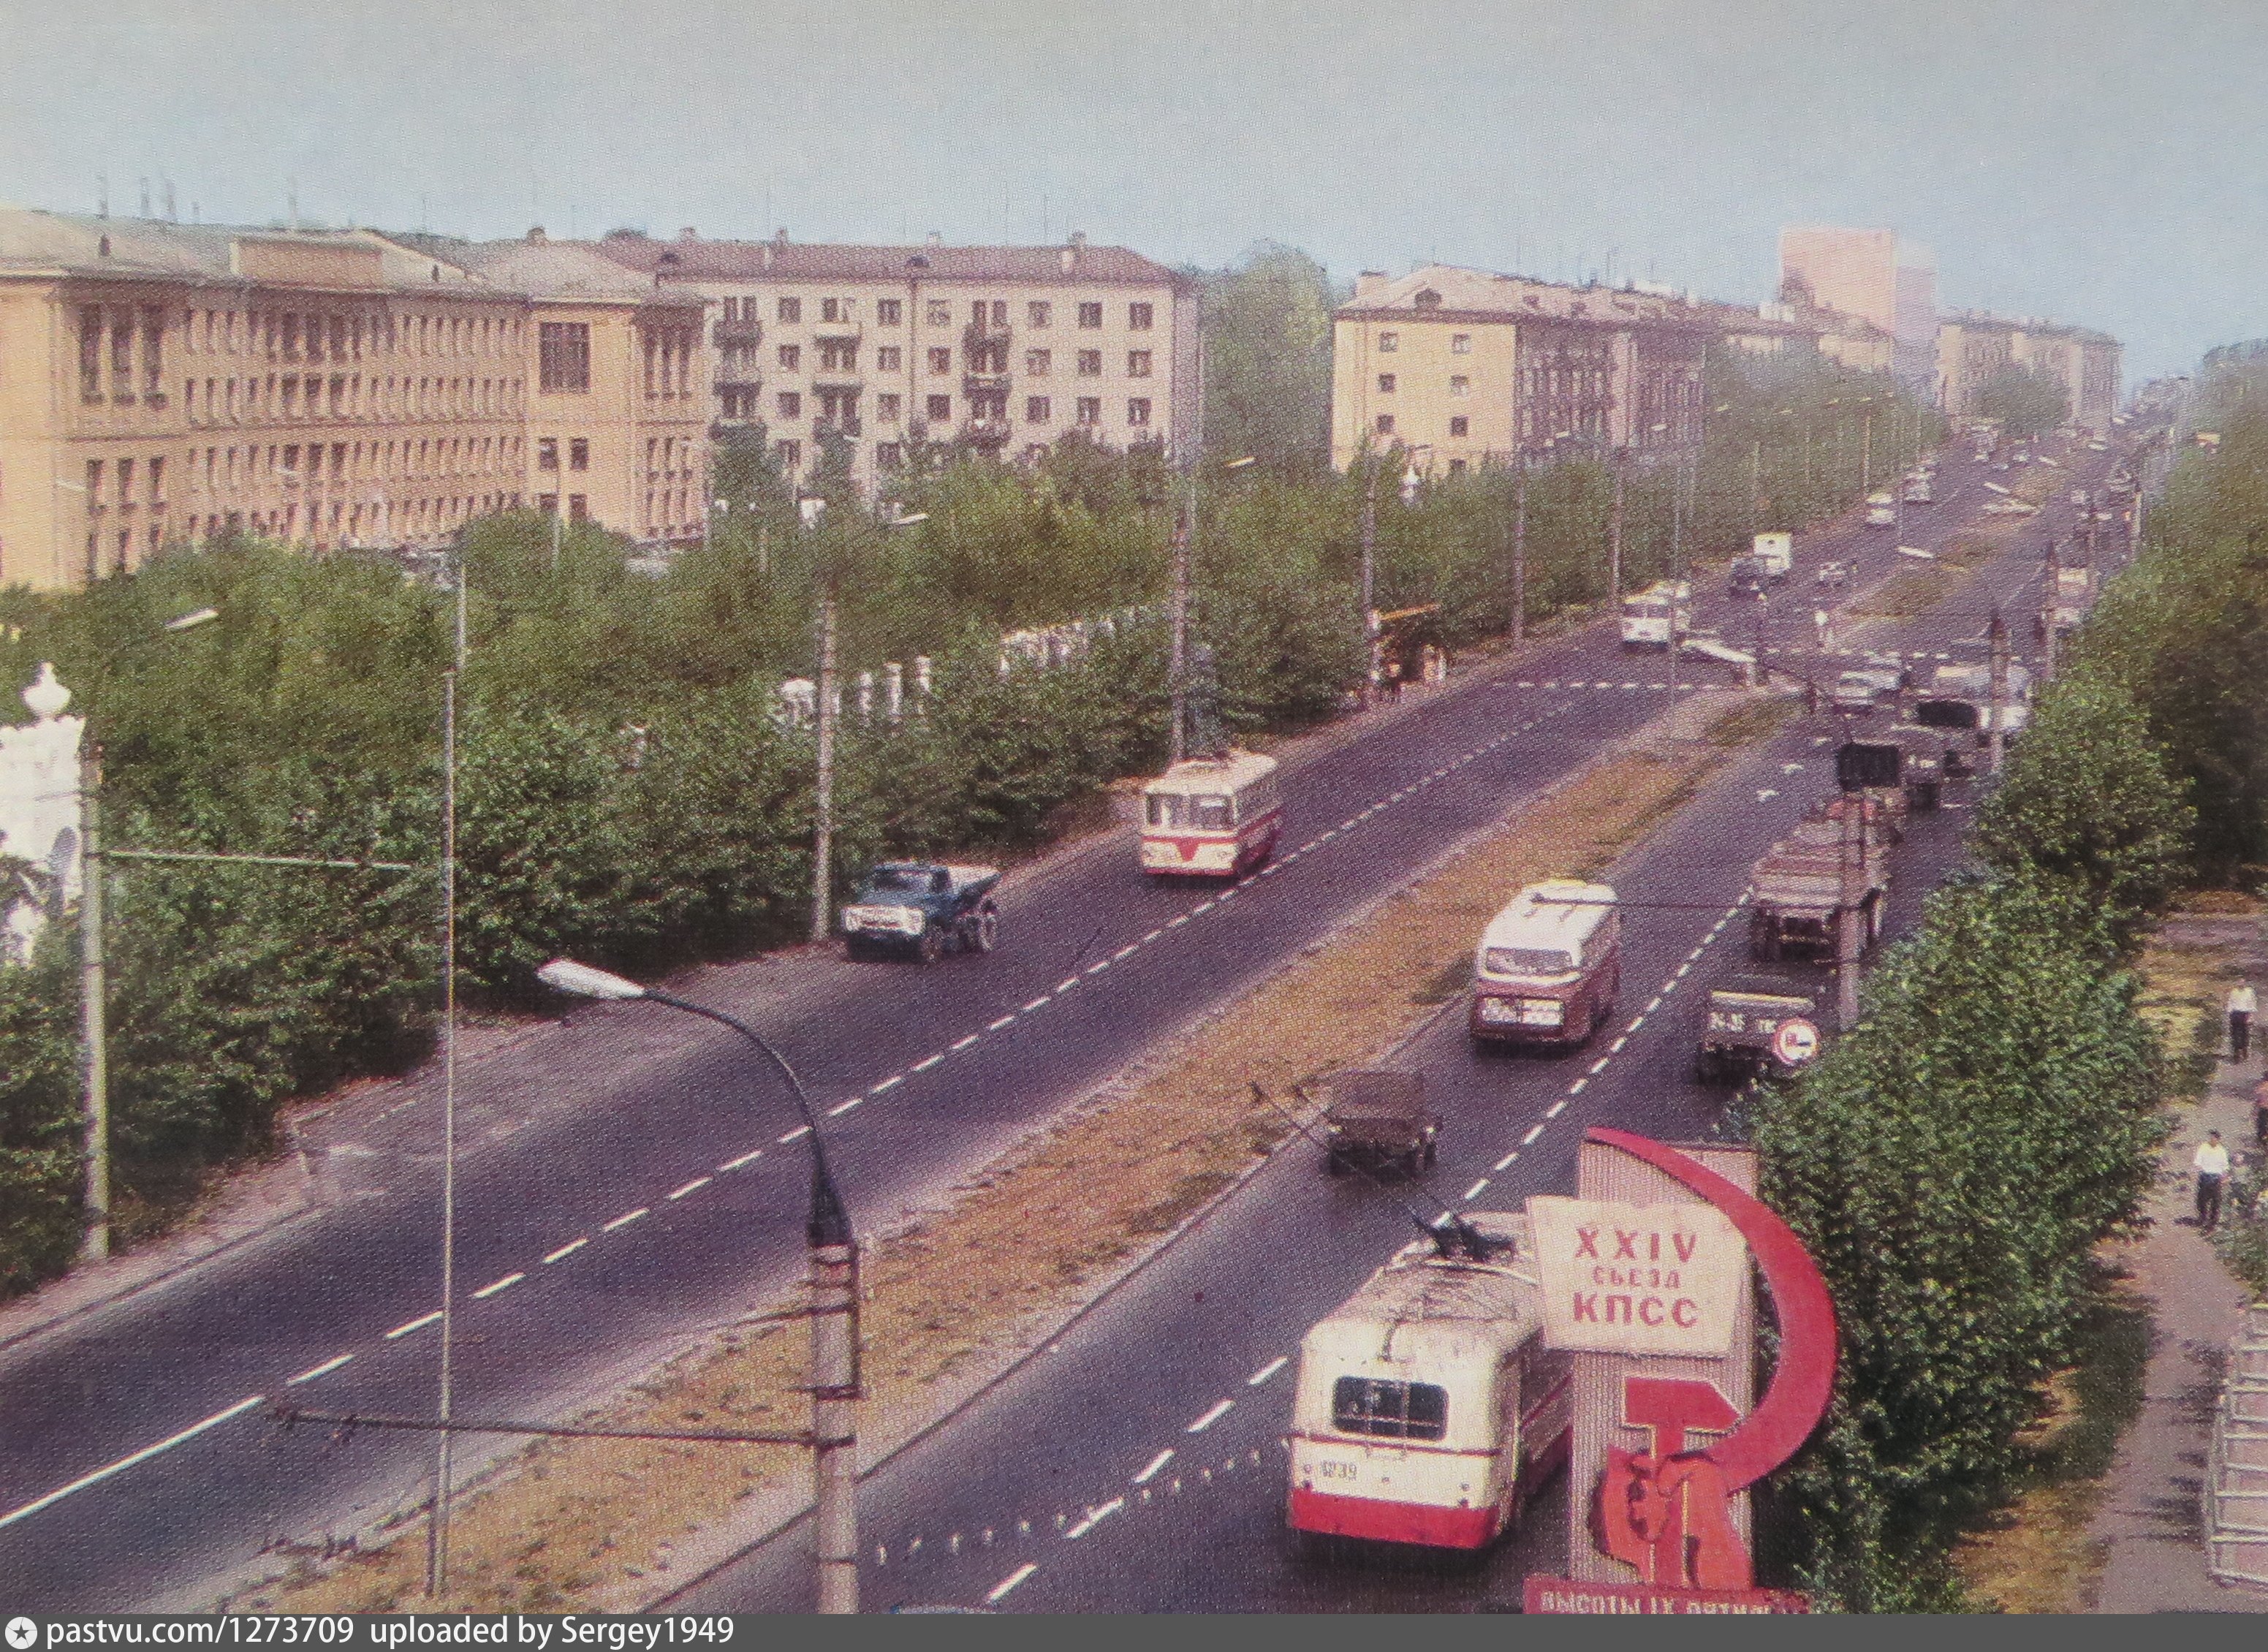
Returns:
(922, 909)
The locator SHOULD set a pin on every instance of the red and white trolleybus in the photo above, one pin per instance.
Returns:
(1211, 816)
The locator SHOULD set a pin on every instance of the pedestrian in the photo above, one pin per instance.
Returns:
(1821, 618)
(2243, 1004)
(2260, 1111)
(2211, 1166)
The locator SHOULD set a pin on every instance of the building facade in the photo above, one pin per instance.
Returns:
(1875, 278)
(1008, 349)
(1470, 367)
(163, 383)
(1974, 347)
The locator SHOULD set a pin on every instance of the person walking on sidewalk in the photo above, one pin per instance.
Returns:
(2243, 1004)
(2212, 1165)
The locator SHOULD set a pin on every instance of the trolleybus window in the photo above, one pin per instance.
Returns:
(1191, 813)
(1393, 1411)
(1529, 961)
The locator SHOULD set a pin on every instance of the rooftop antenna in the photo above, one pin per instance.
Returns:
(172, 215)
(102, 195)
(424, 221)
(1043, 218)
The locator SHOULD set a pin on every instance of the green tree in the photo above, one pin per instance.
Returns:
(2025, 399)
(1268, 359)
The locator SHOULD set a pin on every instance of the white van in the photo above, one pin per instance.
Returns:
(1427, 1408)
(1650, 616)
(1777, 552)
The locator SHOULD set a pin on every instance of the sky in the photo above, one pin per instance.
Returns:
(2096, 161)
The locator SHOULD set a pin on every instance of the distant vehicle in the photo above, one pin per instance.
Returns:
(2072, 597)
(1859, 693)
(920, 910)
(2022, 456)
(2098, 446)
(2000, 464)
(1921, 489)
(1211, 816)
(1776, 552)
(2120, 482)
(1377, 1119)
(1797, 898)
(1650, 616)
(1882, 511)
(1746, 576)
(2011, 507)
(2079, 496)
(1835, 574)
(1745, 1011)
(1548, 966)
(1959, 696)
(1426, 1410)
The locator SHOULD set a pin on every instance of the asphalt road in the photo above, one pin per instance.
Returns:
(625, 1180)
(1136, 1465)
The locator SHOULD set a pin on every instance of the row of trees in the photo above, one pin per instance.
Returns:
(1953, 1162)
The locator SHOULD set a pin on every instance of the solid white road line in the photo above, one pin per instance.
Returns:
(416, 1325)
(125, 1462)
(1266, 1371)
(625, 1219)
(567, 1249)
(505, 1283)
(746, 1158)
(1150, 1469)
(1000, 1589)
(694, 1186)
(324, 1369)
(1212, 1417)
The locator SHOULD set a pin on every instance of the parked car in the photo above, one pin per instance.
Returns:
(920, 910)
(1738, 1036)
(1376, 1119)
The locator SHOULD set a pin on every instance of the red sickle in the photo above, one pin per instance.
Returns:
(1803, 1380)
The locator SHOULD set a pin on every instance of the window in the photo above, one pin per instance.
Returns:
(1090, 314)
(578, 453)
(889, 358)
(1037, 362)
(890, 455)
(790, 310)
(564, 348)
(1038, 312)
(1386, 384)
(1139, 316)
(89, 355)
(1460, 425)
(834, 309)
(839, 355)
(1137, 363)
(1036, 411)
(1390, 1411)
(890, 312)
(547, 453)
(791, 357)
(1456, 466)
(578, 507)
(1090, 364)
(940, 361)
(1461, 386)
(1090, 409)
(1138, 410)
(1389, 343)
(886, 409)
(940, 410)
(126, 481)
(1461, 343)
(790, 404)
(1385, 425)
(790, 456)
(995, 313)
(940, 313)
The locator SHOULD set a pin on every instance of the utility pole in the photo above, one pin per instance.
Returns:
(1369, 585)
(1997, 739)
(95, 1244)
(1849, 930)
(1178, 664)
(835, 1412)
(2048, 591)
(1615, 535)
(1676, 568)
(1519, 547)
(822, 874)
(1866, 452)
(1756, 486)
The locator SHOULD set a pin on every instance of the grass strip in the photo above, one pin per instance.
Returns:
(578, 1525)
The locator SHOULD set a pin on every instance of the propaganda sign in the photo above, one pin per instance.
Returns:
(1637, 1279)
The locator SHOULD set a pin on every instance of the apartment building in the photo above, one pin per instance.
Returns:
(1874, 277)
(1974, 346)
(883, 348)
(164, 383)
(1466, 366)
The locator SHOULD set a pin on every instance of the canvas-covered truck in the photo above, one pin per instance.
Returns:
(1375, 1120)
(1776, 552)
(1796, 896)
(1739, 1035)
(1426, 1410)
(921, 910)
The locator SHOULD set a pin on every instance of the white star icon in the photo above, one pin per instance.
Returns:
(22, 1633)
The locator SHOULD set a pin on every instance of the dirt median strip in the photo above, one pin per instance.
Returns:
(585, 1524)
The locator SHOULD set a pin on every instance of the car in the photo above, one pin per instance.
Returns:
(1835, 574)
(2011, 507)
(1859, 692)
(922, 909)
(1746, 576)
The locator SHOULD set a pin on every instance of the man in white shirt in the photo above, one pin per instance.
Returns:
(2211, 1166)
(2243, 1004)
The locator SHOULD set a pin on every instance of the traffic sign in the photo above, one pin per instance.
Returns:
(1795, 1042)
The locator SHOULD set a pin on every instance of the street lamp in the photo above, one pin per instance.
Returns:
(834, 1309)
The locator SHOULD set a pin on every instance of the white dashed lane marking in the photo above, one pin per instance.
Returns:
(418, 1324)
(965, 1043)
(1001, 1589)
(1266, 1371)
(1504, 1164)
(504, 1284)
(1474, 1191)
(926, 1063)
(796, 1134)
(1212, 1417)
(624, 1220)
(694, 1186)
(1150, 1469)
(1005, 1020)
(566, 1251)
(324, 1369)
(734, 1164)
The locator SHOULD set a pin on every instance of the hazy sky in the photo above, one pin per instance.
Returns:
(2100, 161)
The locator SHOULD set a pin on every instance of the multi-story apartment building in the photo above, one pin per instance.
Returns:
(1973, 347)
(1470, 366)
(1008, 348)
(164, 383)
(1871, 275)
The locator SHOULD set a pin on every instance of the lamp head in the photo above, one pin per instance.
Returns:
(190, 621)
(581, 979)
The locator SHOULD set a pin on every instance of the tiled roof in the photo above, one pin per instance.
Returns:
(745, 261)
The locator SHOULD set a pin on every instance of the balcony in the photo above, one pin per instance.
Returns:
(986, 432)
(844, 378)
(984, 383)
(837, 330)
(821, 428)
(738, 332)
(984, 335)
(747, 379)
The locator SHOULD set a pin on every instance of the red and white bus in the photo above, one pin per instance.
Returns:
(1211, 816)
(1427, 1408)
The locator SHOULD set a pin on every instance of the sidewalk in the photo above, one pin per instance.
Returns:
(2151, 1526)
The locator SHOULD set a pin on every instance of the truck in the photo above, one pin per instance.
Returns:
(1375, 1120)
(1777, 554)
(1959, 696)
(1426, 1410)
(1652, 618)
(1747, 576)
(922, 909)
(1796, 903)
(1738, 1036)
(2069, 604)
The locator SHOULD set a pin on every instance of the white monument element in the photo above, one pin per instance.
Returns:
(40, 820)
